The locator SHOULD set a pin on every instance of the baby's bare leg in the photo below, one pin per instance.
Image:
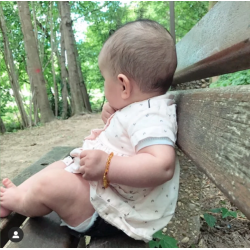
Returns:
(28, 183)
(55, 189)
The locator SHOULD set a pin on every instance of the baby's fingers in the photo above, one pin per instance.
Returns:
(170, 96)
(170, 102)
(82, 170)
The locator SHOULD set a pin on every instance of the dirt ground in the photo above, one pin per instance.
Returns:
(19, 150)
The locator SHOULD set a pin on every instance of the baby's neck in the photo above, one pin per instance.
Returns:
(139, 96)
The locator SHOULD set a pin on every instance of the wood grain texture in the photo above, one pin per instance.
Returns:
(44, 232)
(219, 43)
(13, 220)
(214, 131)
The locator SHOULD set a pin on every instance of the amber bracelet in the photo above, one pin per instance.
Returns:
(105, 180)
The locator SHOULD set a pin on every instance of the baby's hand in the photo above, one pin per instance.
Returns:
(92, 164)
(107, 111)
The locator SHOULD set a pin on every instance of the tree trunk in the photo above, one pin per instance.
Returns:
(12, 71)
(2, 127)
(33, 94)
(44, 36)
(33, 97)
(33, 62)
(34, 100)
(172, 20)
(52, 61)
(34, 20)
(64, 75)
(82, 83)
(74, 80)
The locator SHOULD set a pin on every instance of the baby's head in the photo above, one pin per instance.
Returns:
(137, 62)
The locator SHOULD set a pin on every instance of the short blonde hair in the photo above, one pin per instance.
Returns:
(144, 51)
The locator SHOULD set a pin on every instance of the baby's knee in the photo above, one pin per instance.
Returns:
(46, 182)
(40, 187)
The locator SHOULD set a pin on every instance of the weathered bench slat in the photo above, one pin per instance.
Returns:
(45, 232)
(219, 43)
(214, 131)
(15, 220)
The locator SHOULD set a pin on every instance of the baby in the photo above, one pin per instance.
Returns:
(141, 180)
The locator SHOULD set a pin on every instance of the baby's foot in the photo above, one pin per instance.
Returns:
(10, 198)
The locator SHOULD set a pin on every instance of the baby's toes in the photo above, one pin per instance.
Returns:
(8, 183)
(2, 190)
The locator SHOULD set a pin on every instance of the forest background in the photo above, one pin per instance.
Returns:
(49, 54)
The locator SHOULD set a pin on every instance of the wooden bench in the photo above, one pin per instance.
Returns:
(213, 125)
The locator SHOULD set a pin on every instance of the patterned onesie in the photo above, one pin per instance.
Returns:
(138, 212)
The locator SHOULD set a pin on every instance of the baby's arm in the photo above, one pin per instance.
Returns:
(150, 167)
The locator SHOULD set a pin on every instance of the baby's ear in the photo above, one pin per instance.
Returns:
(122, 78)
(125, 86)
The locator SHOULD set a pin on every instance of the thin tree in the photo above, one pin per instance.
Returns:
(2, 127)
(52, 60)
(33, 99)
(33, 62)
(64, 73)
(13, 77)
(172, 20)
(74, 80)
(82, 83)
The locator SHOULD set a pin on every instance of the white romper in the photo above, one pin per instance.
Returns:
(138, 212)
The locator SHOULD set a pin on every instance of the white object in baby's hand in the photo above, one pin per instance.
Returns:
(76, 152)
(75, 165)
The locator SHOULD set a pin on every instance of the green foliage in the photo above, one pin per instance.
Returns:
(187, 15)
(215, 210)
(211, 220)
(233, 79)
(13, 126)
(226, 213)
(162, 241)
